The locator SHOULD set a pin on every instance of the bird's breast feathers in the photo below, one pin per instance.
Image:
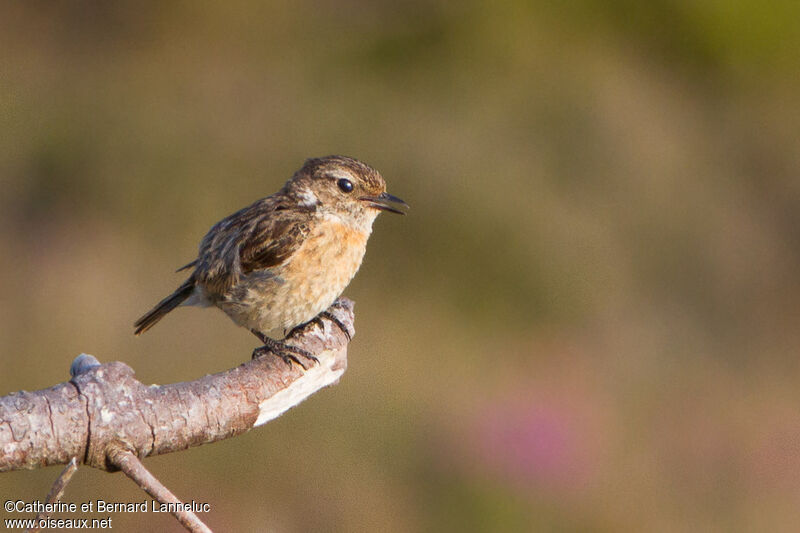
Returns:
(330, 256)
(279, 298)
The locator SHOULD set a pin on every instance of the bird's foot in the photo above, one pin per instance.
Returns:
(318, 320)
(330, 316)
(285, 351)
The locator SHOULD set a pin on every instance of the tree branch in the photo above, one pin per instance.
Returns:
(134, 469)
(107, 419)
(104, 408)
(57, 490)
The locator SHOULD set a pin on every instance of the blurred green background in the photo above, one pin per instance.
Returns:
(589, 321)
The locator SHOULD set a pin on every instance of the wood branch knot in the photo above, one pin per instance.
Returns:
(114, 410)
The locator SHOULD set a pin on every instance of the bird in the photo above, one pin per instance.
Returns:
(282, 261)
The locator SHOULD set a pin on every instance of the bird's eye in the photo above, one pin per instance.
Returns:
(345, 185)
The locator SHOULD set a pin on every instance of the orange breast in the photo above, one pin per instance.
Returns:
(307, 284)
(322, 267)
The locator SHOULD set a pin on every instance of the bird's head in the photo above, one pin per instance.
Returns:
(343, 187)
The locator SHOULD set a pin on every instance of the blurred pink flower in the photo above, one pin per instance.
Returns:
(530, 444)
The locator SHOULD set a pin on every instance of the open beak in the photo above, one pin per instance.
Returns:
(383, 202)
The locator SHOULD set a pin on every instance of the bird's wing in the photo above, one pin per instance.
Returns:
(272, 243)
(259, 237)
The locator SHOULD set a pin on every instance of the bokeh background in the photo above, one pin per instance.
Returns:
(589, 321)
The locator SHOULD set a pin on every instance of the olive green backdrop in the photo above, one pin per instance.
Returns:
(589, 321)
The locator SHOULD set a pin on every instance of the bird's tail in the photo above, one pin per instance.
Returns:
(164, 306)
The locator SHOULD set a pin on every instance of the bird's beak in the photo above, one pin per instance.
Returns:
(382, 202)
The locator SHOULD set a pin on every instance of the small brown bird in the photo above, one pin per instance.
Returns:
(282, 261)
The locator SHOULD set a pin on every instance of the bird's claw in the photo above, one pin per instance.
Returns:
(286, 352)
(332, 318)
(297, 330)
